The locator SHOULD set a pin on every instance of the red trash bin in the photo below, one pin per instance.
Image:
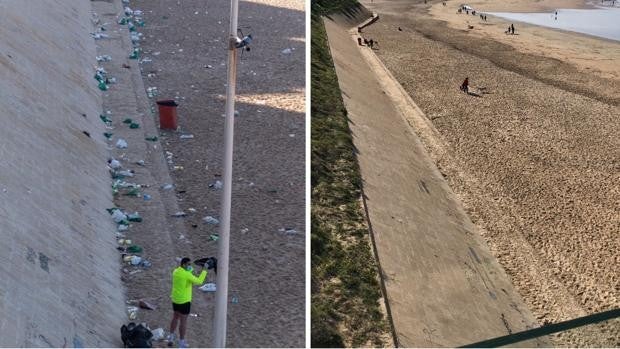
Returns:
(167, 114)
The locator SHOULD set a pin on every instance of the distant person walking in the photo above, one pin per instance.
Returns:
(371, 42)
(465, 85)
(182, 281)
(512, 29)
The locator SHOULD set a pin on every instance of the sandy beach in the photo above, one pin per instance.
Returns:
(534, 159)
(186, 42)
(588, 54)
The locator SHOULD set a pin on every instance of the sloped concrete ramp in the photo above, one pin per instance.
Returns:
(59, 282)
(443, 285)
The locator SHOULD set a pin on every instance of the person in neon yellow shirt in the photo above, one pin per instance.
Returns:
(181, 295)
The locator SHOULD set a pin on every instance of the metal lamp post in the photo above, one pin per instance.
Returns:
(221, 295)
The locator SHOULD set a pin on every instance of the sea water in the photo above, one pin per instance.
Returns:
(601, 22)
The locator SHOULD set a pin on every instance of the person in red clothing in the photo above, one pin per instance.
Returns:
(181, 295)
(465, 85)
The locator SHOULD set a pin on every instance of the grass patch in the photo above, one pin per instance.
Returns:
(345, 281)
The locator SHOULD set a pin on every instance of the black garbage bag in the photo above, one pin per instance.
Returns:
(210, 263)
(136, 336)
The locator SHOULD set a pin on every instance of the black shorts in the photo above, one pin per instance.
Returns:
(182, 308)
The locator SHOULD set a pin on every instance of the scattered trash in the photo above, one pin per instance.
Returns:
(128, 11)
(118, 216)
(123, 174)
(146, 264)
(152, 92)
(121, 143)
(145, 60)
(167, 186)
(140, 162)
(108, 135)
(132, 312)
(135, 260)
(122, 227)
(104, 58)
(136, 336)
(134, 217)
(287, 230)
(287, 51)
(158, 334)
(214, 237)
(98, 36)
(128, 121)
(135, 53)
(114, 164)
(211, 220)
(244, 230)
(191, 209)
(126, 66)
(194, 315)
(102, 86)
(134, 125)
(146, 305)
(179, 168)
(234, 300)
(133, 248)
(147, 197)
(188, 136)
(135, 39)
(209, 287)
(151, 138)
(180, 214)
(105, 119)
(216, 185)
(133, 192)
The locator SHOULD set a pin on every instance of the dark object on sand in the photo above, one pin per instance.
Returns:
(400, 29)
(146, 305)
(209, 263)
(465, 85)
(359, 41)
(136, 336)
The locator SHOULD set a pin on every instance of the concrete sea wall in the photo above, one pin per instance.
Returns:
(59, 282)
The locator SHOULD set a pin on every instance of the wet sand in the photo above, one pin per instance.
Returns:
(535, 160)
(589, 54)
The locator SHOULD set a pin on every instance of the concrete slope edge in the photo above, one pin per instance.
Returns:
(352, 15)
(59, 282)
(388, 312)
(392, 93)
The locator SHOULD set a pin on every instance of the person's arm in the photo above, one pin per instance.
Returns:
(197, 280)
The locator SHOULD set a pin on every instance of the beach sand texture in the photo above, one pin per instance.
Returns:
(535, 160)
(187, 42)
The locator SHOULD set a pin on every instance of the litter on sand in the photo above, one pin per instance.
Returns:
(121, 143)
(211, 220)
(208, 287)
